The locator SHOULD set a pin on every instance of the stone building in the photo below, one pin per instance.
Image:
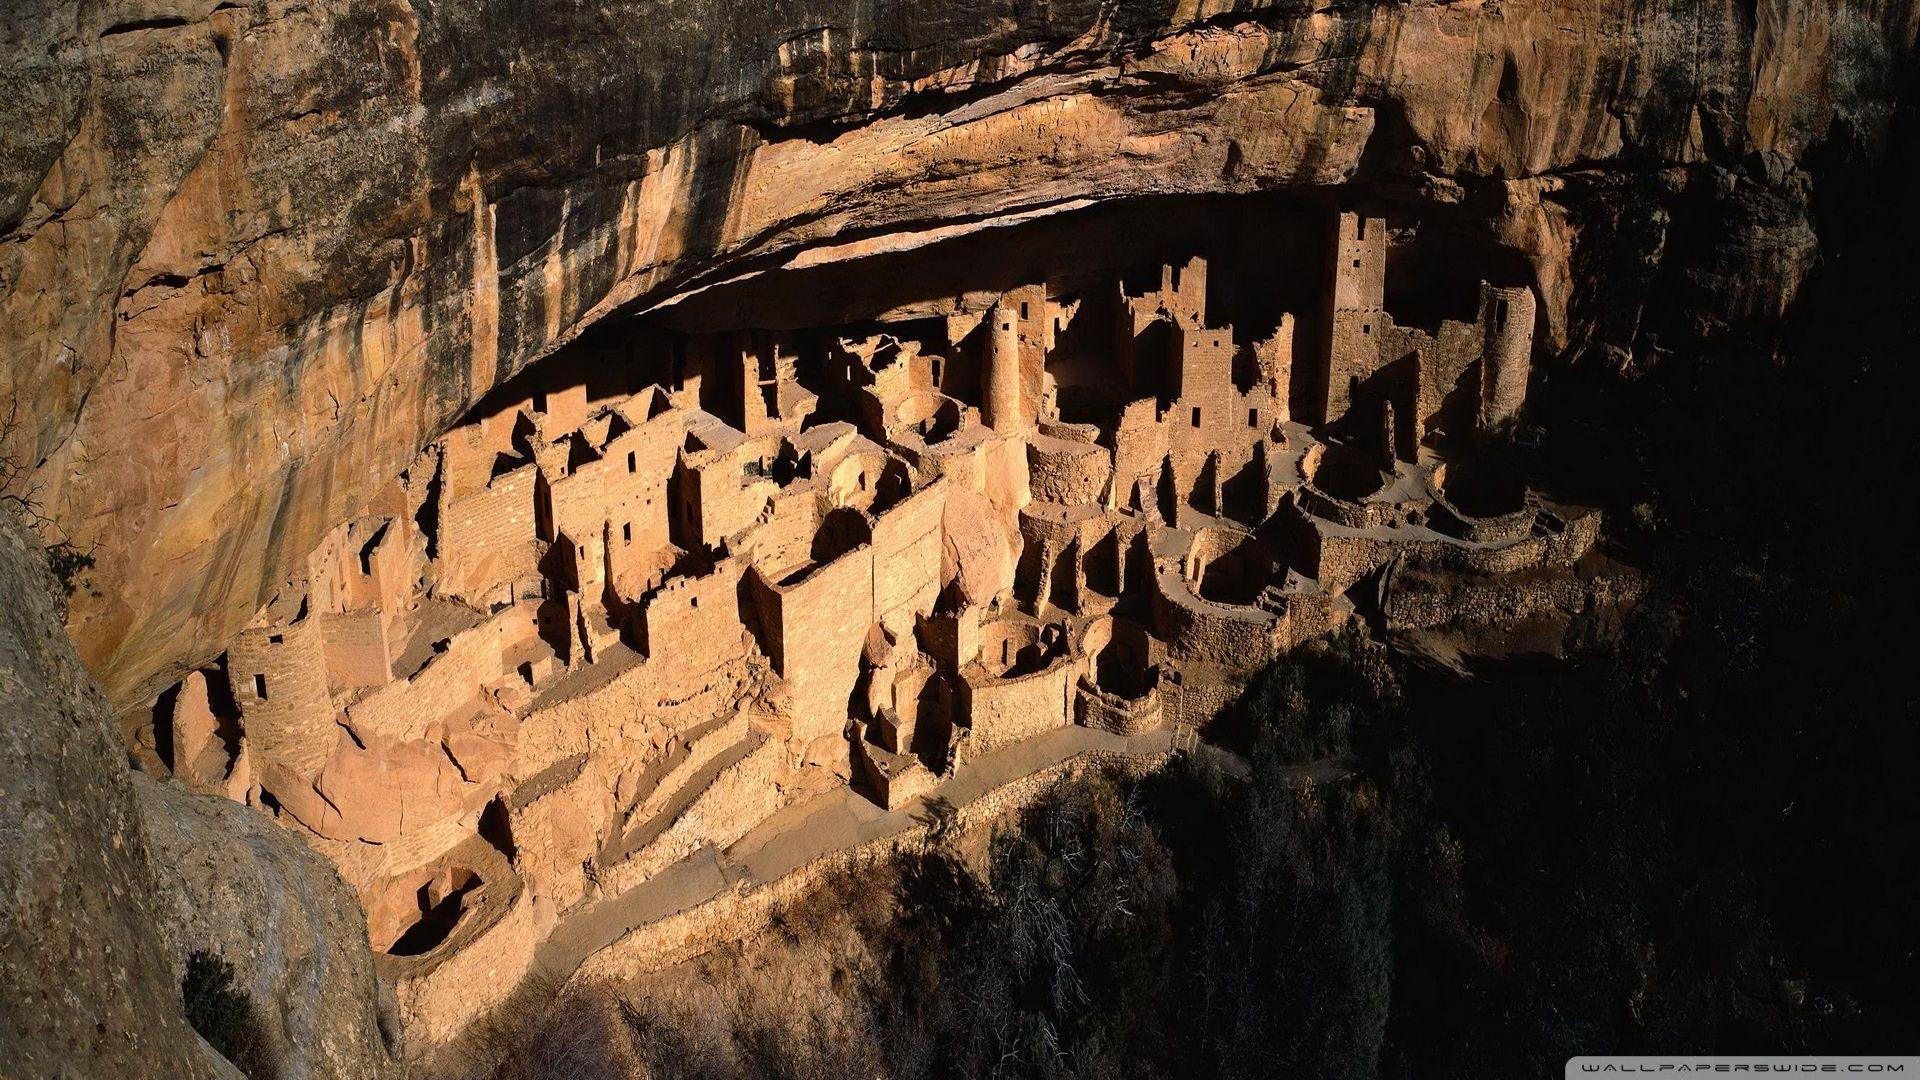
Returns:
(592, 631)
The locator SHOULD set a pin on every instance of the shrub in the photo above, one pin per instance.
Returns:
(223, 1015)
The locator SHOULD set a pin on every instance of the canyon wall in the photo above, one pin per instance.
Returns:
(253, 255)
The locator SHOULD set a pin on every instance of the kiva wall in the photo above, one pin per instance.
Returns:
(1004, 711)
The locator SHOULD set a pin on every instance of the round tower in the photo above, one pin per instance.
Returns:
(1506, 354)
(1001, 409)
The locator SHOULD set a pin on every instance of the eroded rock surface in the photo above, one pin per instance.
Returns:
(108, 883)
(234, 884)
(84, 983)
(253, 257)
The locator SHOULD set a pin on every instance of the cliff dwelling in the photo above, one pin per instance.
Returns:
(705, 539)
(861, 534)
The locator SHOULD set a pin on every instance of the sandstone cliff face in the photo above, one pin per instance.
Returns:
(108, 882)
(253, 256)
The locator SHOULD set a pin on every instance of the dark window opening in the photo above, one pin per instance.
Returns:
(626, 533)
(1253, 417)
(260, 686)
(540, 403)
(1023, 309)
(693, 601)
(276, 639)
(632, 464)
(1196, 416)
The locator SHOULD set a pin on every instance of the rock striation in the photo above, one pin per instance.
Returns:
(255, 256)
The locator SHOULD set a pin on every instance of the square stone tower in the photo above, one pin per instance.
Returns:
(1356, 313)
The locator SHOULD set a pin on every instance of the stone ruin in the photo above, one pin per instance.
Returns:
(598, 629)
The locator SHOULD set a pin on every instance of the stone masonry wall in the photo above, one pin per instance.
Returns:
(907, 547)
(1005, 711)
(487, 537)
